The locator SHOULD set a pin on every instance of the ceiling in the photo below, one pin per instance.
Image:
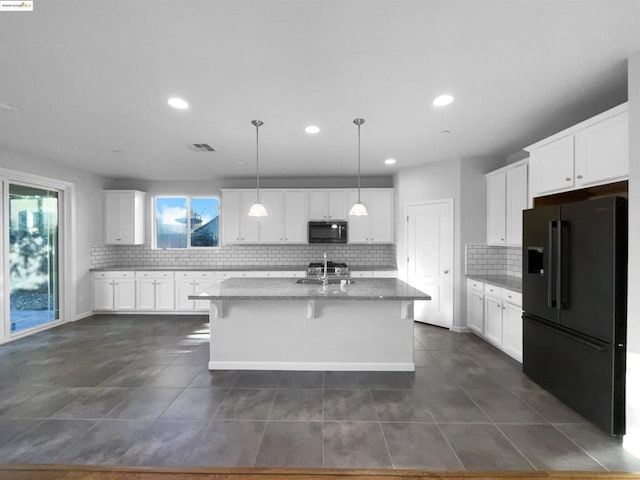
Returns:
(86, 82)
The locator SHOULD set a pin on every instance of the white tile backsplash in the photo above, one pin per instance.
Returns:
(493, 260)
(239, 256)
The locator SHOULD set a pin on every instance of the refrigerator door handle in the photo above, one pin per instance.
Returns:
(551, 302)
(559, 265)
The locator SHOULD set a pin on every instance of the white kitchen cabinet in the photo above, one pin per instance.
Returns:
(295, 216)
(552, 166)
(493, 320)
(517, 200)
(287, 219)
(602, 151)
(512, 330)
(495, 314)
(507, 196)
(590, 153)
(328, 204)
(113, 291)
(237, 225)
(124, 217)
(496, 208)
(475, 306)
(272, 226)
(377, 226)
(193, 283)
(155, 291)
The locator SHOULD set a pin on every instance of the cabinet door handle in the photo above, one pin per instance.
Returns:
(567, 179)
(579, 176)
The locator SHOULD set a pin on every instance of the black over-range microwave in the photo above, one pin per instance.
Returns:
(328, 232)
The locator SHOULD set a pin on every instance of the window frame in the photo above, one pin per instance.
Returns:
(189, 247)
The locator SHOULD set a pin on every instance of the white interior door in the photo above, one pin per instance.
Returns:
(430, 259)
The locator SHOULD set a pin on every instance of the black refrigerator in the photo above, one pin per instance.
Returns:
(574, 298)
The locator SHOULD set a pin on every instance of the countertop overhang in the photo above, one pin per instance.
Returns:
(288, 289)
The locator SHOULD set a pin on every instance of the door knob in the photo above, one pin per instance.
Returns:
(445, 272)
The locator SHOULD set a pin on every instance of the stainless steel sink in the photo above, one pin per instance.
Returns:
(318, 281)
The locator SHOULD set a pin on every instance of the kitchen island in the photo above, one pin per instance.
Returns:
(279, 324)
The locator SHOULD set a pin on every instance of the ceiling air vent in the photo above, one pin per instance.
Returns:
(201, 147)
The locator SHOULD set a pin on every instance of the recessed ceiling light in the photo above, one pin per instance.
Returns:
(443, 100)
(178, 103)
(312, 129)
(390, 161)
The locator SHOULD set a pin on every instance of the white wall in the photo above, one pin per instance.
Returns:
(433, 181)
(460, 179)
(88, 215)
(632, 439)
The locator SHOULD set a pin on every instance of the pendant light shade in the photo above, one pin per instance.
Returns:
(359, 209)
(257, 209)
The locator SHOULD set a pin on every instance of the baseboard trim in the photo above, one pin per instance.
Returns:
(150, 312)
(83, 315)
(316, 366)
(460, 329)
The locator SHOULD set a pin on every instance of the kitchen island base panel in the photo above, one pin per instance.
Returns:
(373, 335)
(315, 366)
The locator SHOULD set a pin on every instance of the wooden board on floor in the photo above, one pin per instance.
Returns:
(64, 472)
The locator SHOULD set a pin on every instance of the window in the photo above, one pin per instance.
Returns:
(187, 222)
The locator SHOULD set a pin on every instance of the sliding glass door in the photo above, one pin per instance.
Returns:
(33, 256)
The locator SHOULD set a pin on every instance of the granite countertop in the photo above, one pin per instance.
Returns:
(504, 281)
(174, 268)
(288, 289)
(273, 268)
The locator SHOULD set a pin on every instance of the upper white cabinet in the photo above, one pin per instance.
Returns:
(286, 221)
(295, 216)
(552, 166)
(496, 208)
(377, 226)
(289, 210)
(602, 151)
(506, 199)
(590, 153)
(328, 204)
(271, 226)
(124, 217)
(517, 201)
(237, 225)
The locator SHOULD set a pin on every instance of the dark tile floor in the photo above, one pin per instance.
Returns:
(135, 390)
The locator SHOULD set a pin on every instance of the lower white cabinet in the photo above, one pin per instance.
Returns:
(163, 291)
(493, 320)
(495, 314)
(512, 330)
(193, 283)
(114, 291)
(155, 291)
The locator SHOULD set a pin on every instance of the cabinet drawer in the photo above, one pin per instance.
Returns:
(362, 274)
(385, 274)
(510, 296)
(154, 274)
(114, 274)
(493, 290)
(195, 274)
(293, 274)
(475, 285)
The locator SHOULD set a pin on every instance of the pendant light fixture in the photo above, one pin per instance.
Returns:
(358, 208)
(257, 209)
